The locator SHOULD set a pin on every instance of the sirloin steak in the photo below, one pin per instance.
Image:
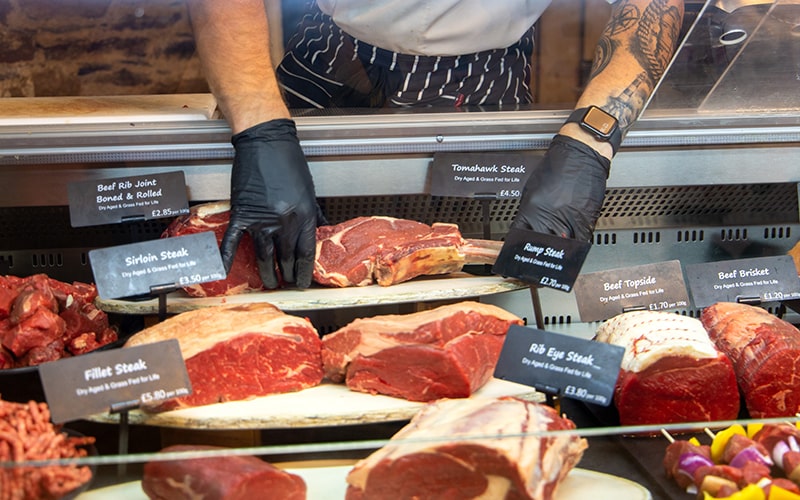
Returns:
(671, 371)
(447, 352)
(765, 351)
(472, 448)
(357, 252)
(236, 352)
(222, 477)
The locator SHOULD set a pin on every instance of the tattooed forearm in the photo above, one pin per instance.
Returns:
(656, 37)
(629, 102)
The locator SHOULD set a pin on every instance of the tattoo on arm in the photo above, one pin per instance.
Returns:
(627, 105)
(655, 38)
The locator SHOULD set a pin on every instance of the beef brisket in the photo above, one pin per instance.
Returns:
(671, 372)
(236, 352)
(472, 448)
(765, 351)
(450, 351)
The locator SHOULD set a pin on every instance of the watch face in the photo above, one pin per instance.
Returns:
(599, 121)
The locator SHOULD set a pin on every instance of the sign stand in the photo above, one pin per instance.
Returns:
(160, 292)
(123, 409)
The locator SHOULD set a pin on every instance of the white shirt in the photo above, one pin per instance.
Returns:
(435, 27)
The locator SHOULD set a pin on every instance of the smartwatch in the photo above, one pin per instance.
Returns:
(598, 123)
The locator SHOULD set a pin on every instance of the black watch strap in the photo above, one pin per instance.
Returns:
(599, 123)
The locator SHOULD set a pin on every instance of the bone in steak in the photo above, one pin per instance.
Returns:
(220, 476)
(765, 351)
(357, 252)
(472, 448)
(385, 250)
(236, 352)
(446, 352)
(671, 372)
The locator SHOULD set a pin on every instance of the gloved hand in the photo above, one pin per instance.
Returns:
(273, 199)
(564, 193)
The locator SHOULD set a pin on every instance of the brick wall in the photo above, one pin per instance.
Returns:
(96, 47)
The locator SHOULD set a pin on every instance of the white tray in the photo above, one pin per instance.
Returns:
(445, 287)
(328, 483)
(323, 405)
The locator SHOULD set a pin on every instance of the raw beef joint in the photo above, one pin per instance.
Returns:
(671, 372)
(243, 275)
(385, 250)
(357, 252)
(765, 351)
(218, 476)
(472, 448)
(447, 352)
(236, 352)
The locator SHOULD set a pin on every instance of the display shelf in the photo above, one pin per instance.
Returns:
(327, 404)
(430, 288)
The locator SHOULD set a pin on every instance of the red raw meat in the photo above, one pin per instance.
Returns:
(450, 351)
(444, 452)
(243, 276)
(357, 252)
(220, 477)
(41, 329)
(765, 351)
(7, 297)
(236, 352)
(671, 372)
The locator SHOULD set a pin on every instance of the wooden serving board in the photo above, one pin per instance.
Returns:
(327, 404)
(107, 109)
(451, 286)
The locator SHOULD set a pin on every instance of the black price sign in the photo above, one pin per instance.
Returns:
(649, 287)
(128, 270)
(541, 259)
(559, 364)
(501, 174)
(91, 383)
(764, 279)
(110, 201)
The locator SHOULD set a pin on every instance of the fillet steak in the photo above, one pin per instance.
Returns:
(671, 372)
(357, 252)
(489, 448)
(765, 351)
(236, 352)
(222, 477)
(447, 352)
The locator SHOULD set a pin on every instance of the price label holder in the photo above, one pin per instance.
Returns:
(756, 280)
(116, 380)
(160, 265)
(502, 174)
(650, 287)
(111, 201)
(560, 364)
(541, 259)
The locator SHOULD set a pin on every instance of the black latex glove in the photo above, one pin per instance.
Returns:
(564, 193)
(273, 199)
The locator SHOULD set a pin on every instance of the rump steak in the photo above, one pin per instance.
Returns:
(357, 252)
(765, 351)
(236, 352)
(671, 372)
(222, 477)
(472, 448)
(447, 352)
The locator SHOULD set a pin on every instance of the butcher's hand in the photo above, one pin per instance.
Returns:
(273, 199)
(564, 193)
